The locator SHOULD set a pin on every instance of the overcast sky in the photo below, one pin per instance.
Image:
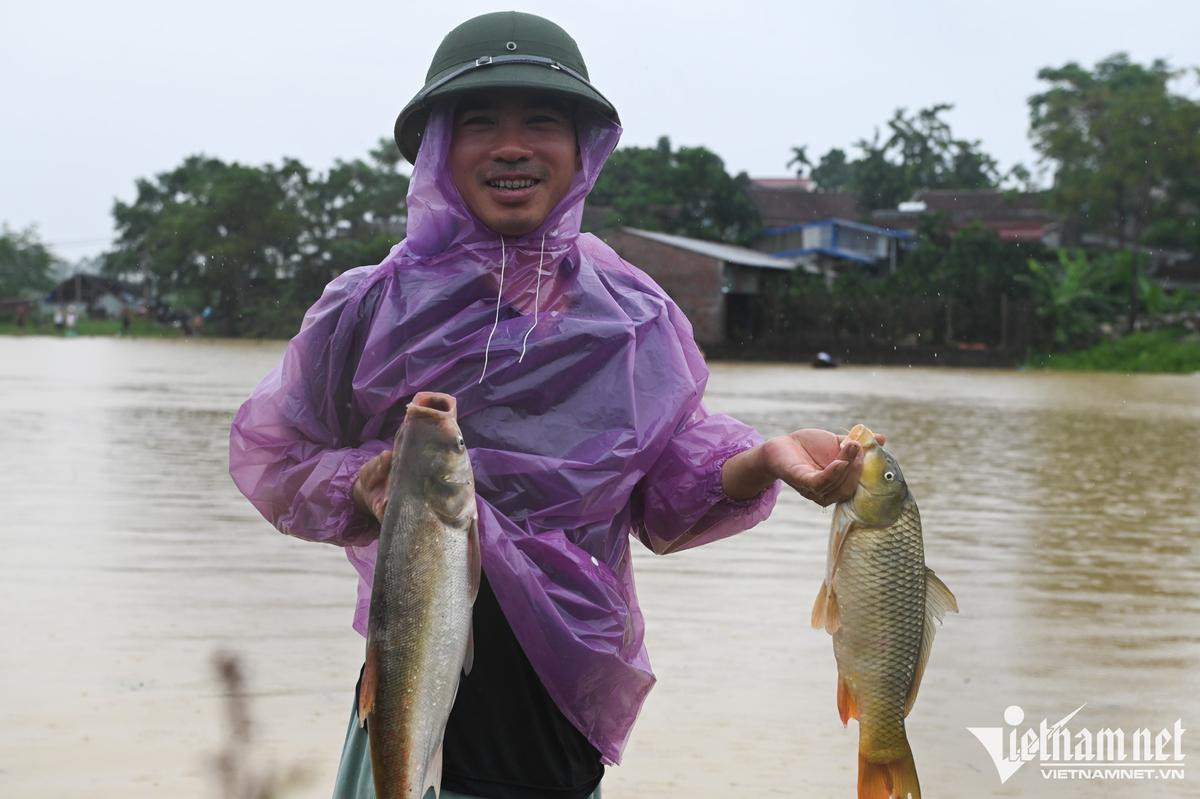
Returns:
(99, 94)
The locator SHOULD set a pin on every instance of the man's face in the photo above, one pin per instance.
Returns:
(512, 157)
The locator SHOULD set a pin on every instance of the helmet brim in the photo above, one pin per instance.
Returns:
(410, 124)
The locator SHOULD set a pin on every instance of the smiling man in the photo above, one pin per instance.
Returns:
(513, 157)
(578, 387)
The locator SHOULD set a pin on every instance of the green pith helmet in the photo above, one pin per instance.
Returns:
(503, 50)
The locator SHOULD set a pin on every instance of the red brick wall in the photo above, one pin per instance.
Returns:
(691, 279)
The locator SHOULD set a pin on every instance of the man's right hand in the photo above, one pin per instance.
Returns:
(370, 487)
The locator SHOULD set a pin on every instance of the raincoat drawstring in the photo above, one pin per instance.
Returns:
(537, 297)
(537, 293)
(499, 295)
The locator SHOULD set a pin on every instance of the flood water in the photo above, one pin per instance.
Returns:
(1061, 509)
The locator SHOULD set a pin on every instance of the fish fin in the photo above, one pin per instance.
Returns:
(433, 772)
(469, 657)
(474, 559)
(839, 530)
(825, 610)
(896, 779)
(368, 685)
(818, 611)
(938, 602)
(847, 706)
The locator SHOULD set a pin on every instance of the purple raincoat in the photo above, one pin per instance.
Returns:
(597, 432)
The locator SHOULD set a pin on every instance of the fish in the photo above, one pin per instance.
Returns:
(881, 604)
(427, 573)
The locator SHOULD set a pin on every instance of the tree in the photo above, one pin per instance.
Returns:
(919, 152)
(26, 265)
(833, 173)
(213, 234)
(258, 244)
(800, 160)
(1125, 152)
(685, 191)
(355, 214)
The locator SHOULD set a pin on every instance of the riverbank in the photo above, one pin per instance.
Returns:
(139, 328)
(1171, 351)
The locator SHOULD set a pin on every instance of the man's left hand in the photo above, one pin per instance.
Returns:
(822, 466)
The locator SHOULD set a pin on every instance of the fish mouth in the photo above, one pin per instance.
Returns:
(863, 435)
(433, 404)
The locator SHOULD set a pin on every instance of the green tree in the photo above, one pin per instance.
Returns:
(685, 191)
(919, 152)
(355, 213)
(969, 270)
(258, 244)
(209, 233)
(833, 173)
(1125, 151)
(26, 265)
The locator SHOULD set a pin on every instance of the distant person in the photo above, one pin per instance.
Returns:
(60, 319)
(126, 320)
(578, 386)
(71, 320)
(21, 315)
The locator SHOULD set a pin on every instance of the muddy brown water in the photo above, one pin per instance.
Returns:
(1061, 509)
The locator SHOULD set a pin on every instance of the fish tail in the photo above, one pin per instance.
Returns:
(895, 779)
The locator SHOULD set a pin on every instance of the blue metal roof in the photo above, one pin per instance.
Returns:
(830, 251)
(846, 223)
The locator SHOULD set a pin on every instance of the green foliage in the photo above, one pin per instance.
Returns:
(256, 244)
(26, 265)
(919, 152)
(1074, 296)
(1171, 350)
(1123, 147)
(1078, 297)
(833, 173)
(684, 191)
(1125, 151)
(968, 272)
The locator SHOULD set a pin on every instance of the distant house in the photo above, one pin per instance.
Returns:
(100, 296)
(782, 204)
(716, 285)
(791, 182)
(831, 244)
(1013, 216)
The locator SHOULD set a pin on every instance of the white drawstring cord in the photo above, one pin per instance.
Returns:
(537, 293)
(496, 323)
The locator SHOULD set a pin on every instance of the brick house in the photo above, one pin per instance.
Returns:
(714, 284)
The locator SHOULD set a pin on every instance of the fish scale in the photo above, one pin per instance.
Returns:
(880, 585)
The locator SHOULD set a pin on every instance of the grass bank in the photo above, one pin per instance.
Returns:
(1170, 350)
(141, 328)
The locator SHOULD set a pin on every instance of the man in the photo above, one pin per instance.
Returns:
(578, 387)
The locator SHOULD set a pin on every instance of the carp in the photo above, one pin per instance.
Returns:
(881, 605)
(427, 576)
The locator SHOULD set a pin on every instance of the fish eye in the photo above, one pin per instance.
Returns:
(461, 443)
(889, 476)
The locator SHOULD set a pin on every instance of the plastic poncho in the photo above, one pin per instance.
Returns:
(597, 432)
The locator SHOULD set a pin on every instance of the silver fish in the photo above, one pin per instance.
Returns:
(427, 576)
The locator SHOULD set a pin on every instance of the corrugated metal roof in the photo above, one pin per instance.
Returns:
(722, 252)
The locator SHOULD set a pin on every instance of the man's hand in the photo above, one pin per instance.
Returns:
(820, 465)
(370, 487)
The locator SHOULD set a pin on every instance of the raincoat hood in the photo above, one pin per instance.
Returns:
(439, 220)
(578, 386)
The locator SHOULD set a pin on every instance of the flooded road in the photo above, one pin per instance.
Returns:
(1061, 509)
